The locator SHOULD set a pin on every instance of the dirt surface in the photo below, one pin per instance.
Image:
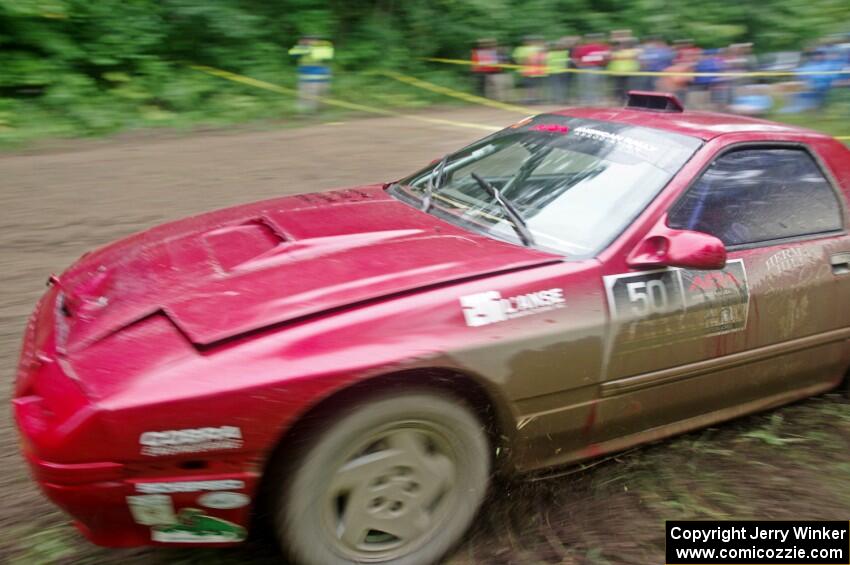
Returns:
(56, 204)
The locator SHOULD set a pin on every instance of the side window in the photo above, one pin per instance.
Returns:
(755, 195)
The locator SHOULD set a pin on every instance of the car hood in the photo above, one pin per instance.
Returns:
(221, 274)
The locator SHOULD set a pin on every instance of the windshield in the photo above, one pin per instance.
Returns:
(576, 183)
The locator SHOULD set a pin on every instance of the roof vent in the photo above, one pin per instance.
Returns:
(654, 101)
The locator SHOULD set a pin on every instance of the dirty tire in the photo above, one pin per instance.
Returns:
(397, 479)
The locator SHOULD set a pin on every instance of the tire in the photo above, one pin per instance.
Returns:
(396, 479)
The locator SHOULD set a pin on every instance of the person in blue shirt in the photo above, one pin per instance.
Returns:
(715, 86)
(655, 56)
(820, 82)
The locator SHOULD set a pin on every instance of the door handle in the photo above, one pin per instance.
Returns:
(840, 263)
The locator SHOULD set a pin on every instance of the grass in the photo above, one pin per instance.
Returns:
(24, 122)
(834, 119)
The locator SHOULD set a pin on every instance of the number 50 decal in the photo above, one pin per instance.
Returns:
(638, 295)
(647, 297)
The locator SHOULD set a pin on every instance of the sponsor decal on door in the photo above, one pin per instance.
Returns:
(675, 304)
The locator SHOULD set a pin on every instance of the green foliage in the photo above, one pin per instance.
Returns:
(770, 432)
(76, 67)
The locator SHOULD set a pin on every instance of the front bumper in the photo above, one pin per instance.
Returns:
(117, 504)
(101, 500)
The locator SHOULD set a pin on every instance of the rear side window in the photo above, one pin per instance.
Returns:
(751, 196)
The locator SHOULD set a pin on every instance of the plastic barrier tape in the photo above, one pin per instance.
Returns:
(400, 77)
(335, 102)
(425, 85)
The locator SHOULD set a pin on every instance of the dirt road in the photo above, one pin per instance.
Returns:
(57, 204)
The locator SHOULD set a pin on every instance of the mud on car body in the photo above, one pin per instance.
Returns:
(360, 362)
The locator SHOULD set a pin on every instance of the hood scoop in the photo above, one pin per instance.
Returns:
(233, 271)
(235, 245)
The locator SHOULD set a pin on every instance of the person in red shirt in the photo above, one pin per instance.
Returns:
(592, 55)
(686, 51)
(485, 61)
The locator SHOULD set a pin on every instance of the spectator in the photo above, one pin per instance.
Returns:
(655, 56)
(686, 51)
(624, 60)
(485, 64)
(532, 56)
(739, 59)
(314, 74)
(557, 63)
(592, 55)
(708, 92)
(678, 83)
(838, 55)
(502, 82)
(752, 100)
(818, 82)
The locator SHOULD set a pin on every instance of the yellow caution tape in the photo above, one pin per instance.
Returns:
(650, 73)
(456, 94)
(369, 109)
(336, 102)
(465, 62)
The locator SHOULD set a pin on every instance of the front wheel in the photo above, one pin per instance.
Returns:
(395, 480)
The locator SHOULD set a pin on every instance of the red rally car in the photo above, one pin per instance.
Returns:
(354, 365)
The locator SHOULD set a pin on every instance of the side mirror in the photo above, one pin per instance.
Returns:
(666, 247)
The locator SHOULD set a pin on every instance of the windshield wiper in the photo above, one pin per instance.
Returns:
(434, 185)
(519, 225)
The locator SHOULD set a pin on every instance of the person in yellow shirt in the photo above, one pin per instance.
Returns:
(314, 73)
(532, 56)
(557, 63)
(624, 59)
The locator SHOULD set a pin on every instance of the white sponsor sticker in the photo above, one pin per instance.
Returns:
(191, 440)
(629, 144)
(786, 260)
(188, 486)
(152, 509)
(194, 537)
(489, 307)
(223, 500)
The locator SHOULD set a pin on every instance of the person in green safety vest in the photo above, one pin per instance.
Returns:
(557, 63)
(532, 56)
(625, 59)
(314, 56)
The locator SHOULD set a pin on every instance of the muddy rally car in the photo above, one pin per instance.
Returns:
(351, 368)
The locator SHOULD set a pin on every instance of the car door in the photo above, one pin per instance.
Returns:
(689, 347)
(778, 212)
